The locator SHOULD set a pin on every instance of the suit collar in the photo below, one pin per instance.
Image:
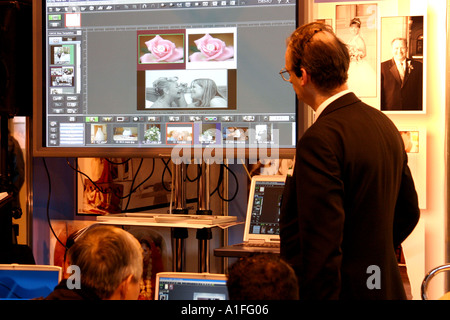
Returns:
(347, 99)
(328, 101)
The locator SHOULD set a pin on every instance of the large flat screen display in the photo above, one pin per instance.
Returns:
(157, 78)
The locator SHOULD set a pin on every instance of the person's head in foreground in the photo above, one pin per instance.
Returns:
(262, 277)
(110, 262)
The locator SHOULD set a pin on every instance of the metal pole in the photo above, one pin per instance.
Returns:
(179, 235)
(204, 235)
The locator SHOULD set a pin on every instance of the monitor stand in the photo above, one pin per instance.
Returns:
(203, 235)
(179, 235)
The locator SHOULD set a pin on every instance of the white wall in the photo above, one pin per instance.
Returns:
(425, 248)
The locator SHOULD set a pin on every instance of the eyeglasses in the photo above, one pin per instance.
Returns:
(284, 73)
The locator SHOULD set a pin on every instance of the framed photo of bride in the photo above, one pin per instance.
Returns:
(357, 26)
(402, 64)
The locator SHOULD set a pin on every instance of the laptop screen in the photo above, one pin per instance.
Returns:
(191, 286)
(265, 214)
(27, 282)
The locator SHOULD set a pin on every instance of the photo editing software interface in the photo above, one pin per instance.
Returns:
(192, 289)
(159, 74)
(265, 216)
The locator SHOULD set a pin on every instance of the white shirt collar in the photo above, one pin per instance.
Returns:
(400, 63)
(327, 102)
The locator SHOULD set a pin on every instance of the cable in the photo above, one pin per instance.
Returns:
(237, 185)
(166, 167)
(108, 192)
(199, 173)
(132, 183)
(48, 204)
(220, 182)
(148, 177)
(89, 178)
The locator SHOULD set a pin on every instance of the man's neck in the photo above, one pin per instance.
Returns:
(321, 97)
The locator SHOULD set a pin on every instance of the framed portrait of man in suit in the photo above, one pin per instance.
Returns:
(402, 64)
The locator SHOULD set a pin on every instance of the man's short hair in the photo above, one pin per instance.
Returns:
(321, 53)
(262, 277)
(106, 256)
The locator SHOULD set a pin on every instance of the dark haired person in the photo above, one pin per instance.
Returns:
(351, 199)
(262, 277)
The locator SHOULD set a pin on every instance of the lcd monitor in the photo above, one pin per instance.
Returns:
(162, 78)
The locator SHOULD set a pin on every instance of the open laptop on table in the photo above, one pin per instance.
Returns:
(262, 228)
(190, 286)
(28, 281)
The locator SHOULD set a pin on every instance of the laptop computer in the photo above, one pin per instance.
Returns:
(262, 228)
(19, 282)
(190, 286)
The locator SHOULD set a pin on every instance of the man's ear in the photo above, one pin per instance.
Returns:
(122, 289)
(304, 77)
(126, 284)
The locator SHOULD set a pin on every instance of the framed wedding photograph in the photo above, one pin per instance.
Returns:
(357, 26)
(402, 64)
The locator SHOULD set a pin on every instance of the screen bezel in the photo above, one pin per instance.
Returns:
(38, 137)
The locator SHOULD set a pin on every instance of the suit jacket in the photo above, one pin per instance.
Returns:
(350, 202)
(398, 95)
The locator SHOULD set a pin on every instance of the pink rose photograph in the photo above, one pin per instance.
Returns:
(161, 48)
(211, 47)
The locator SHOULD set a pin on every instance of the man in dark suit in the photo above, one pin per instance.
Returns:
(401, 80)
(351, 199)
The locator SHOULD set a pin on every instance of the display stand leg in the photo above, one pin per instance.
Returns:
(203, 235)
(179, 235)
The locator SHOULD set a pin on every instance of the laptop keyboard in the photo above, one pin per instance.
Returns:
(260, 244)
